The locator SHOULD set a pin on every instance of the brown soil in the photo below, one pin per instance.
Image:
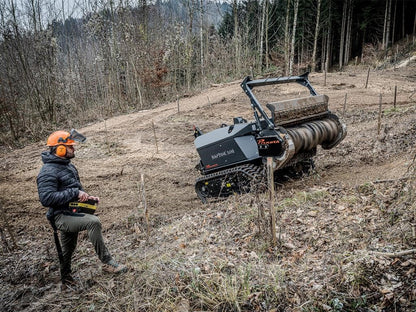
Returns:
(158, 143)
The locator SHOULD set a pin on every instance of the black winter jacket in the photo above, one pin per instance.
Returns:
(58, 182)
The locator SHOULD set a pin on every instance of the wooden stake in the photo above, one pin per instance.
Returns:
(154, 134)
(324, 78)
(345, 104)
(210, 106)
(368, 74)
(261, 214)
(379, 115)
(270, 182)
(106, 137)
(177, 101)
(395, 96)
(144, 203)
(395, 56)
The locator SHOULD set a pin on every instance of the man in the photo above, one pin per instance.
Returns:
(59, 187)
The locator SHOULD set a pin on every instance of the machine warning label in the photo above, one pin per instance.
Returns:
(222, 154)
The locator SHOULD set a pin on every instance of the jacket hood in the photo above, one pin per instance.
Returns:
(48, 157)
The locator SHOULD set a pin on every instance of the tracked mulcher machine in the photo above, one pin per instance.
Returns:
(233, 158)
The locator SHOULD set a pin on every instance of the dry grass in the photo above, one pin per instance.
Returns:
(219, 260)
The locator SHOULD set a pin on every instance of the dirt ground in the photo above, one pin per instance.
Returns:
(158, 144)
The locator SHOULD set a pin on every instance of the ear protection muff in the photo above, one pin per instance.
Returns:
(61, 150)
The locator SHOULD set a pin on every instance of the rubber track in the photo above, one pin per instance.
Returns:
(253, 172)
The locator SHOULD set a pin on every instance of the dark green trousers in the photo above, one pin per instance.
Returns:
(70, 225)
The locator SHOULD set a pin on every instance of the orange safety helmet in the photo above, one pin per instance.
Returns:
(60, 138)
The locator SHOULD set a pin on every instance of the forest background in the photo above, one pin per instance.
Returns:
(59, 69)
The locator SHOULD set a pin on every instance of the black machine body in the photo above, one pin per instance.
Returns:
(233, 158)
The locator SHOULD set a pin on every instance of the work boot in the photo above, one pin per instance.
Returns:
(114, 267)
(68, 279)
(68, 283)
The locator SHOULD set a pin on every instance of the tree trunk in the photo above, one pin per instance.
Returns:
(323, 52)
(388, 25)
(262, 33)
(145, 15)
(287, 37)
(383, 43)
(328, 41)
(343, 26)
(201, 37)
(315, 39)
(387, 21)
(394, 23)
(403, 28)
(292, 47)
(33, 15)
(301, 49)
(414, 26)
(347, 50)
(362, 46)
(236, 37)
(189, 45)
(266, 40)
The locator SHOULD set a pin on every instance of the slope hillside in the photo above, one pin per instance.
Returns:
(337, 228)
